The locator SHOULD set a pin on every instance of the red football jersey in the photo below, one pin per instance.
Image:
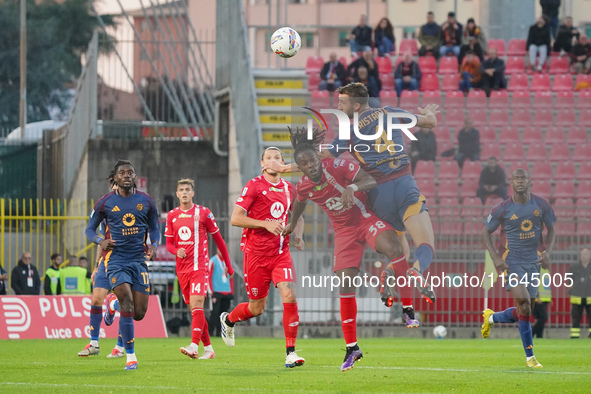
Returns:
(264, 200)
(336, 175)
(190, 230)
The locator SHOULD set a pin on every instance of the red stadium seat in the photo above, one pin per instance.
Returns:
(581, 153)
(554, 135)
(313, 82)
(427, 188)
(387, 80)
(564, 188)
(343, 60)
(490, 202)
(543, 99)
(536, 152)
(565, 117)
(384, 64)
(515, 65)
(408, 44)
(425, 170)
(469, 186)
(542, 170)
(320, 99)
(565, 99)
(585, 117)
(521, 99)
(584, 99)
(389, 98)
(454, 117)
(585, 171)
(499, 117)
(515, 165)
(577, 135)
(429, 82)
(513, 152)
(450, 82)
(476, 99)
(559, 152)
(517, 47)
(428, 65)
(487, 134)
(521, 117)
(531, 134)
(454, 99)
(543, 117)
(478, 116)
(448, 65)
(559, 65)
(442, 134)
(565, 170)
(565, 210)
(490, 150)
(519, 82)
(542, 188)
(314, 64)
(471, 169)
(583, 78)
(449, 207)
(562, 82)
(584, 189)
(443, 146)
(448, 188)
(399, 60)
(448, 170)
(431, 97)
(498, 99)
(539, 82)
(509, 135)
(499, 45)
(409, 100)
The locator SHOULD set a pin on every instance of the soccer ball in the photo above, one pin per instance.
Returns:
(286, 42)
(440, 332)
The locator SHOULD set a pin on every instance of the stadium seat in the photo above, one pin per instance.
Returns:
(442, 134)
(431, 97)
(564, 188)
(583, 213)
(427, 188)
(498, 99)
(471, 169)
(454, 117)
(584, 171)
(399, 60)
(389, 98)
(515, 65)
(559, 65)
(519, 82)
(487, 134)
(499, 117)
(521, 99)
(521, 117)
(562, 82)
(447, 188)
(583, 78)
(448, 65)
(542, 171)
(508, 135)
(314, 64)
(565, 99)
(543, 117)
(429, 82)
(409, 100)
(343, 60)
(320, 99)
(539, 81)
(313, 82)
(450, 82)
(384, 64)
(577, 135)
(565, 210)
(554, 135)
(407, 44)
(515, 165)
(584, 189)
(443, 146)
(387, 80)
(490, 202)
(584, 99)
(536, 152)
(565, 170)
(478, 116)
(565, 117)
(476, 99)
(427, 64)
(454, 98)
(517, 47)
(543, 99)
(585, 117)
(581, 153)
(513, 152)
(449, 207)
(559, 152)
(531, 134)
(425, 169)
(448, 170)
(542, 188)
(490, 150)
(469, 187)
(499, 45)
(472, 211)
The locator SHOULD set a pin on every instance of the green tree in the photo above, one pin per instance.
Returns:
(57, 36)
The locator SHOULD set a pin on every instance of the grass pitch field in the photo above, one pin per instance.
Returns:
(257, 364)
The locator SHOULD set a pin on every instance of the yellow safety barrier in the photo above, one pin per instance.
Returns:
(278, 84)
(281, 101)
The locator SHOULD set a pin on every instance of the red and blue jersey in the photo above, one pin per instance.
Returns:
(521, 227)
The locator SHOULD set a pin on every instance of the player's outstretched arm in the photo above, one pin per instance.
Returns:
(281, 168)
(427, 118)
(362, 182)
(499, 263)
(219, 241)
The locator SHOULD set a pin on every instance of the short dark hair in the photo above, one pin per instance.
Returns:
(492, 158)
(452, 14)
(122, 163)
(430, 13)
(357, 91)
(55, 256)
(471, 20)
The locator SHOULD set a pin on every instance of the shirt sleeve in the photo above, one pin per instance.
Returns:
(96, 217)
(248, 196)
(493, 221)
(300, 195)
(549, 216)
(346, 169)
(209, 221)
(153, 230)
(169, 232)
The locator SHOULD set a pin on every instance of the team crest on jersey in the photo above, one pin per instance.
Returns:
(275, 189)
(254, 291)
(139, 206)
(317, 188)
(537, 212)
(277, 210)
(128, 219)
(184, 233)
(114, 280)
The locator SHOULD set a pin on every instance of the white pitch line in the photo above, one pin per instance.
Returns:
(466, 370)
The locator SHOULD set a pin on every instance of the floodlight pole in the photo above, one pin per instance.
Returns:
(23, 69)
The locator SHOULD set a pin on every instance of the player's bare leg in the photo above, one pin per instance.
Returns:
(420, 228)
(291, 321)
(96, 315)
(349, 316)
(241, 312)
(127, 309)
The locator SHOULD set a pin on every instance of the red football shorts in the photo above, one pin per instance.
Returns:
(350, 242)
(193, 283)
(260, 271)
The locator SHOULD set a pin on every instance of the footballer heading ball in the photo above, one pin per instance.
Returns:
(286, 42)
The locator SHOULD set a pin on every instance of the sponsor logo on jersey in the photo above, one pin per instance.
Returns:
(185, 215)
(513, 217)
(184, 233)
(317, 188)
(139, 206)
(277, 210)
(115, 209)
(526, 225)
(240, 199)
(129, 219)
(275, 189)
(334, 204)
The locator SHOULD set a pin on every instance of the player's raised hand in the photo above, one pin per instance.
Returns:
(429, 109)
(544, 260)
(274, 228)
(181, 253)
(107, 244)
(152, 252)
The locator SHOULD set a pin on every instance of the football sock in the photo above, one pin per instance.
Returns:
(127, 332)
(424, 255)
(240, 313)
(526, 335)
(291, 321)
(209, 348)
(205, 335)
(289, 349)
(96, 315)
(197, 320)
(120, 340)
(400, 266)
(349, 318)
(509, 315)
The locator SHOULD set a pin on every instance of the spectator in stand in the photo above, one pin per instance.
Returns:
(383, 37)
(430, 37)
(468, 143)
(493, 72)
(580, 293)
(52, 276)
(333, 74)
(366, 61)
(370, 83)
(360, 37)
(582, 55)
(550, 9)
(3, 280)
(492, 181)
(451, 36)
(25, 278)
(470, 73)
(407, 74)
(538, 43)
(424, 148)
(564, 38)
(474, 40)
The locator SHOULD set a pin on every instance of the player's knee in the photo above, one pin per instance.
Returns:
(525, 308)
(257, 309)
(97, 300)
(126, 306)
(139, 314)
